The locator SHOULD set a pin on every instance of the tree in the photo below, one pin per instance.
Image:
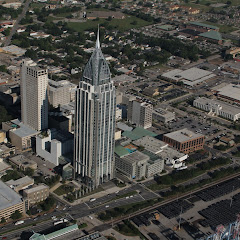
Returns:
(16, 215)
(3, 68)
(3, 220)
(29, 172)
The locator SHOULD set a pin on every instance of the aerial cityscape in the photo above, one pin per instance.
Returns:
(120, 119)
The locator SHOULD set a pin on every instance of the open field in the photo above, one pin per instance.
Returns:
(222, 28)
(120, 24)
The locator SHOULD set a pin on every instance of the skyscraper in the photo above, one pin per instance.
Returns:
(95, 122)
(34, 100)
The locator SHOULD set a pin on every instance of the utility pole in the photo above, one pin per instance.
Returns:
(180, 219)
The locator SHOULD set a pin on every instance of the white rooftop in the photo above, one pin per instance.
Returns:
(226, 107)
(23, 130)
(190, 76)
(8, 197)
(20, 181)
(183, 135)
(151, 144)
(230, 90)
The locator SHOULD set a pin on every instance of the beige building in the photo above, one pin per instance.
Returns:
(36, 194)
(20, 184)
(23, 163)
(10, 201)
(60, 93)
(6, 150)
(140, 113)
(20, 135)
(2, 136)
(34, 99)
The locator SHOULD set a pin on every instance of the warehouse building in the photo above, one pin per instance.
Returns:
(184, 140)
(218, 108)
(190, 77)
(20, 184)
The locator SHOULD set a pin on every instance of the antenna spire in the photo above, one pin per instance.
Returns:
(98, 42)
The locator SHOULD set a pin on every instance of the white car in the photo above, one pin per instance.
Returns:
(107, 206)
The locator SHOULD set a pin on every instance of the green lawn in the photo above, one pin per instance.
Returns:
(120, 24)
(63, 189)
(223, 28)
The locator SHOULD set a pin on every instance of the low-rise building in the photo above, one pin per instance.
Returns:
(138, 165)
(163, 115)
(2, 136)
(21, 136)
(184, 140)
(3, 167)
(23, 163)
(218, 108)
(10, 201)
(36, 194)
(54, 144)
(20, 184)
(6, 150)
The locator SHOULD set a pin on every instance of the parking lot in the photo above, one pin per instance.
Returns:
(45, 168)
(193, 125)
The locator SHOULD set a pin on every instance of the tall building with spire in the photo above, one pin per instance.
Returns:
(95, 122)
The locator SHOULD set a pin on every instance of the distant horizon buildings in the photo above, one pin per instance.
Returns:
(34, 98)
(95, 122)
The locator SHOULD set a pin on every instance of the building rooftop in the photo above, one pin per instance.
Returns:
(212, 35)
(136, 157)
(8, 197)
(121, 151)
(190, 76)
(226, 107)
(21, 129)
(138, 133)
(163, 112)
(183, 135)
(171, 153)
(204, 25)
(124, 126)
(54, 235)
(36, 188)
(231, 91)
(151, 144)
(20, 181)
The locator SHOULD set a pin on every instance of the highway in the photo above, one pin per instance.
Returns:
(83, 210)
(15, 27)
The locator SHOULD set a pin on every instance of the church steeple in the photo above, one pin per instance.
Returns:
(97, 71)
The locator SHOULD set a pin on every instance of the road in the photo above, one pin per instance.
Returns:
(15, 27)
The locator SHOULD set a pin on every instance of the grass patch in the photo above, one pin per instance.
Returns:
(126, 209)
(83, 225)
(223, 28)
(37, 5)
(124, 195)
(120, 24)
(128, 229)
(63, 189)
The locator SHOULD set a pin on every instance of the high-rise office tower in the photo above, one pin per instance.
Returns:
(34, 100)
(95, 122)
(140, 113)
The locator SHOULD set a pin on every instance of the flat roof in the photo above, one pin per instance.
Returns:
(136, 157)
(190, 76)
(36, 188)
(23, 130)
(151, 144)
(20, 181)
(183, 135)
(138, 133)
(231, 91)
(171, 153)
(226, 107)
(8, 197)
